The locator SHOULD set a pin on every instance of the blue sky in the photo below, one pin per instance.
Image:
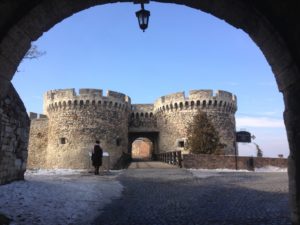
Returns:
(183, 49)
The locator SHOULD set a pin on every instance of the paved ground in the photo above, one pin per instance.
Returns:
(150, 165)
(173, 196)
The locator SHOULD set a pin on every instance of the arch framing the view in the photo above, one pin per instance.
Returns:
(251, 16)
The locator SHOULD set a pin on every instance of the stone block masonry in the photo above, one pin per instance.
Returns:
(14, 129)
(65, 134)
(74, 122)
(174, 112)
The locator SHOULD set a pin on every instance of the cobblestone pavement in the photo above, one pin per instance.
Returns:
(175, 197)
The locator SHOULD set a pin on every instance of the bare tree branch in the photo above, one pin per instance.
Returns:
(34, 53)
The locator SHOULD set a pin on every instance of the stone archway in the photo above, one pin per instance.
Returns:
(150, 136)
(270, 25)
(142, 149)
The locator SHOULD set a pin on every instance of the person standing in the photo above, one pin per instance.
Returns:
(97, 157)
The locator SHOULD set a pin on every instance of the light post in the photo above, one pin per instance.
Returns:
(143, 17)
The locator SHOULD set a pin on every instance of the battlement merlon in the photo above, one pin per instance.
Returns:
(118, 95)
(90, 92)
(142, 107)
(33, 116)
(59, 94)
(175, 97)
(209, 94)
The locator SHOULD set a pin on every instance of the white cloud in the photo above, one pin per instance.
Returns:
(259, 122)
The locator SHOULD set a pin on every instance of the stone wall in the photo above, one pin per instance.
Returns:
(38, 142)
(174, 112)
(76, 121)
(14, 129)
(202, 161)
(142, 118)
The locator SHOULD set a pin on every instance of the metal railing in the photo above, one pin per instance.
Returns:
(174, 158)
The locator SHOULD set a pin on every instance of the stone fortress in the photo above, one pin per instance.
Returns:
(64, 135)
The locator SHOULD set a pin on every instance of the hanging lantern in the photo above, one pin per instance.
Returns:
(143, 17)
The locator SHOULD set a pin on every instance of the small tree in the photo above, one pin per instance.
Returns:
(258, 149)
(202, 137)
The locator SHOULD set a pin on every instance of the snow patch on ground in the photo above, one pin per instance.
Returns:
(205, 173)
(58, 197)
(53, 172)
(270, 169)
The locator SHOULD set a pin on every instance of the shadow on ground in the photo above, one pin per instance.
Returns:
(174, 196)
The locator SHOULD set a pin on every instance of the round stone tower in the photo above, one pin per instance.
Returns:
(77, 121)
(175, 111)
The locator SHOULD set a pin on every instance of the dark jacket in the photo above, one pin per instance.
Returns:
(97, 156)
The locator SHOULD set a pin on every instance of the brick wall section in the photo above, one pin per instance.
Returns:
(229, 162)
(14, 129)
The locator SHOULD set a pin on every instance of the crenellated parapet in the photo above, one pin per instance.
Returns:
(142, 118)
(68, 98)
(33, 116)
(202, 99)
(142, 110)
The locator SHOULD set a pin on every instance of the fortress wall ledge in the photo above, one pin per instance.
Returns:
(222, 100)
(204, 106)
(62, 98)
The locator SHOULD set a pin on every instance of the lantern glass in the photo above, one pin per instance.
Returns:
(143, 18)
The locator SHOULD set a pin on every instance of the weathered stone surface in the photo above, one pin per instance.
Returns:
(175, 111)
(74, 123)
(38, 142)
(65, 136)
(14, 128)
